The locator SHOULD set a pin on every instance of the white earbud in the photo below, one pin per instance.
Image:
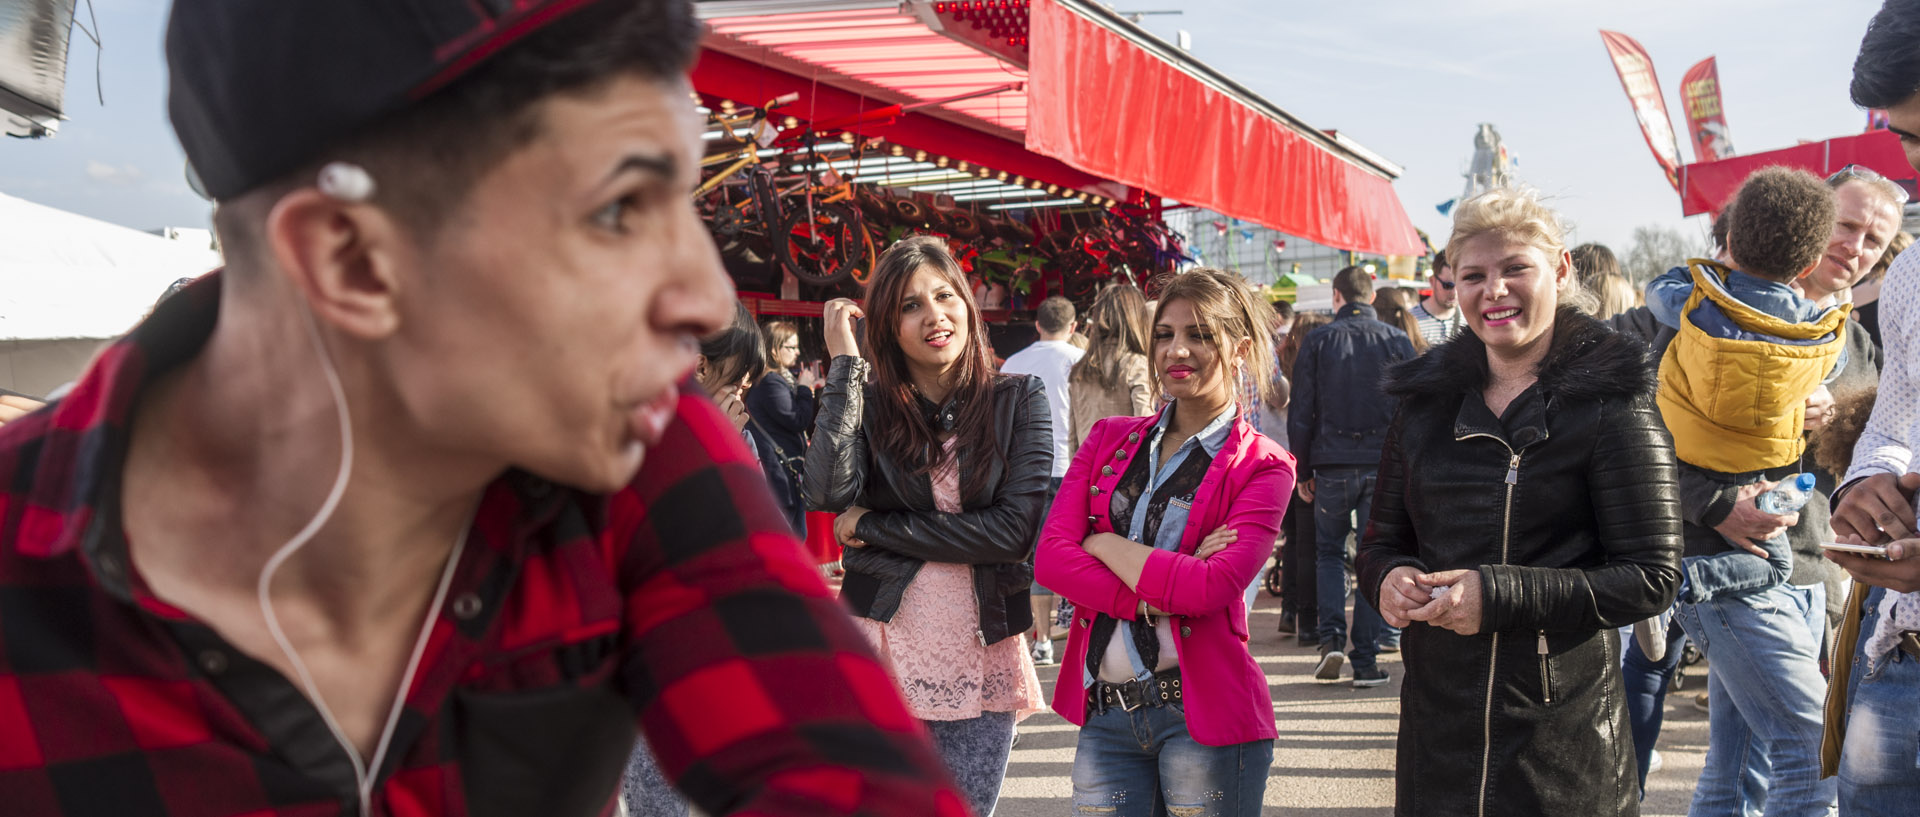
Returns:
(346, 181)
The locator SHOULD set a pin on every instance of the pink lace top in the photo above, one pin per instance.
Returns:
(932, 645)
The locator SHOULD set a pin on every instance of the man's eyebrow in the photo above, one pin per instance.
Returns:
(660, 164)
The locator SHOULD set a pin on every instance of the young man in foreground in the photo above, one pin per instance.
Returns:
(403, 512)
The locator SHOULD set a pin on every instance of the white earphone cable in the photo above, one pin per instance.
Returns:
(363, 771)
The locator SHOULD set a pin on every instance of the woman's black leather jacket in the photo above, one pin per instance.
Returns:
(903, 529)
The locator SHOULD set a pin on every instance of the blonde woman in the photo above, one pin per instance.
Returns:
(1526, 508)
(1112, 380)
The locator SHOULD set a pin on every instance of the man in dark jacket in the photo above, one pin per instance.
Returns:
(1337, 425)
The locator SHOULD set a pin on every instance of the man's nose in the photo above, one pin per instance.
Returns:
(697, 298)
(1854, 245)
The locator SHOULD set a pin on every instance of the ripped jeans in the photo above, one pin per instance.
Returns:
(1141, 763)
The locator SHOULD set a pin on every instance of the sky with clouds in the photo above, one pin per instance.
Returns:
(1409, 79)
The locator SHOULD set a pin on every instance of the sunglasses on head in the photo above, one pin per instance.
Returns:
(1867, 174)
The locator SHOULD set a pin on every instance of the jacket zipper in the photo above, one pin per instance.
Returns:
(1546, 677)
(1493, 657)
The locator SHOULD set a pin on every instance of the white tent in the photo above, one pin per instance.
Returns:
(68, 282)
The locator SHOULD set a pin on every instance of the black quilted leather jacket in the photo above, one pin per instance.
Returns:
(1568, 508)
(903, 530)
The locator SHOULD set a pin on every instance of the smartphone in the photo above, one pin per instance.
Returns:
(1879, 551)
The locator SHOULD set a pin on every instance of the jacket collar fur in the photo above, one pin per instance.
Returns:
(1588, 361)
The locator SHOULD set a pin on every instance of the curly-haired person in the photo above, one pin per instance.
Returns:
(1736, 407)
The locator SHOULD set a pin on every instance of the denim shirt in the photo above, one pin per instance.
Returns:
(1173, 521)
(1667, 296)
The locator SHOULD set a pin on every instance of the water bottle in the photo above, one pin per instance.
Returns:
(1788, 496)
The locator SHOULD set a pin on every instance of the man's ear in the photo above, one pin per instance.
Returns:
(343, 257)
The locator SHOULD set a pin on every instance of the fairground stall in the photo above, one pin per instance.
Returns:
(1045, 139)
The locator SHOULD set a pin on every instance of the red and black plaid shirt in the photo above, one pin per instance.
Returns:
(680, 602)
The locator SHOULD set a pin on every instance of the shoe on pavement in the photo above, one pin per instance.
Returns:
(1329, 667)
(1364, 677)
(1389, 648)
(1700, 702)
(1286, 624)
(1651, 635)
(1043, 652)
(1654, 763)
(1307, 639)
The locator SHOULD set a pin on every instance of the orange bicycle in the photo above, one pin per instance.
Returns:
(809, 229)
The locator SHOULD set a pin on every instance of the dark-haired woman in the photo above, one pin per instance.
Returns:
(1300, 593)
(939, 470)
(1160, 525)
(729, 361)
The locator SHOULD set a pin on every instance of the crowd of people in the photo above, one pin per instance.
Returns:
(269, 554)
(1585, 506)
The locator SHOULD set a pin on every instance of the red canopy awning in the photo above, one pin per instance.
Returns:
(1100, 106)
(1102, 103)
(1705, 187)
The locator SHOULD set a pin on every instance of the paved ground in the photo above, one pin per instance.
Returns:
(1334, 756)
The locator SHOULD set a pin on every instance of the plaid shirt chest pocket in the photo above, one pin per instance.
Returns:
(543, 730)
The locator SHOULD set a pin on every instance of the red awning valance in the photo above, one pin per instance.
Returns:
(1105, 105)
(1705, 187)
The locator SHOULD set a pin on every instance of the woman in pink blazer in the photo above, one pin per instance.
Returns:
(1160, 525)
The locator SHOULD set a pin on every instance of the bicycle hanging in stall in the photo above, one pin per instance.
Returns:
(809, 228)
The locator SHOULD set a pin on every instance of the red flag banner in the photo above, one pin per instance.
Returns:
(1706, 120)
(1649, 106)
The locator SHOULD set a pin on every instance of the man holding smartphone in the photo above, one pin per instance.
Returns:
(1872, 728)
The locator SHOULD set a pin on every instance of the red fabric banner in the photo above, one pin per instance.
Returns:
(1706, 120)
(1649, 105)
(1104, 105)
(1709, 185)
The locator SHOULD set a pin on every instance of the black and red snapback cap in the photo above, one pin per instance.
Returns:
(256, 88)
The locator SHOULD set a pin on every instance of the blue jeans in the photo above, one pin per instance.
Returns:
(1880, 762)
(1338, 492)
(1143, 763)
(1646, 682)
(975, 751)
(1765, 696)
(1736, 571)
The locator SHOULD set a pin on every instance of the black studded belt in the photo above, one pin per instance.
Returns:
(1162, 689)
